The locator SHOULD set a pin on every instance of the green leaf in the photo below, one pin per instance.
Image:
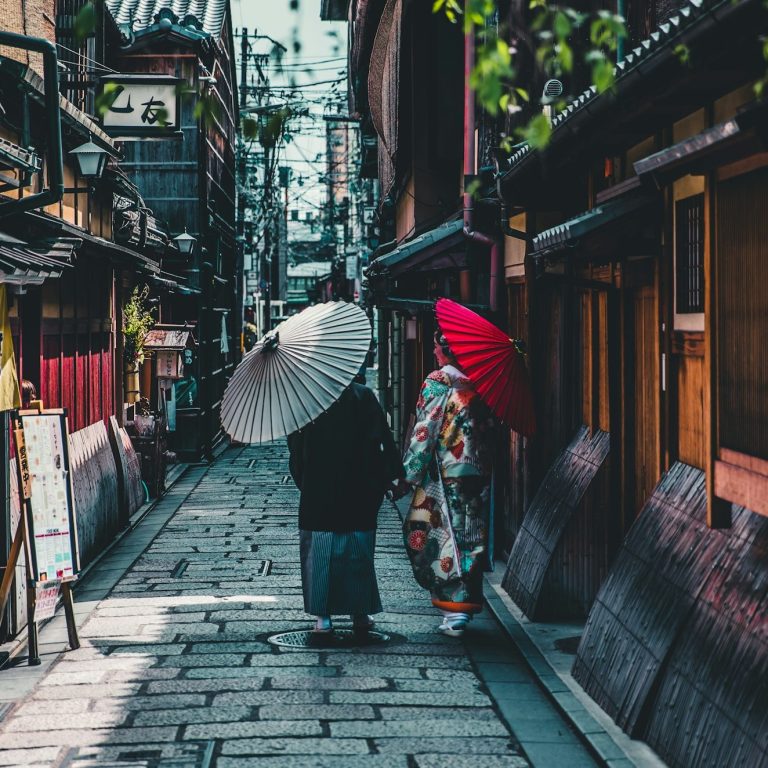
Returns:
(107, 98)
(249, 128)
(538, 132)
(602, 75)
(562, 25)
(565, 55)
(85, 23)
(523, 94)
(683, 53)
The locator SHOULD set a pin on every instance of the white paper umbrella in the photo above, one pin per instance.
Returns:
(296, 372)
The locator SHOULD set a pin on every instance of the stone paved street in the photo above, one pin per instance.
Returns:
(175, 670)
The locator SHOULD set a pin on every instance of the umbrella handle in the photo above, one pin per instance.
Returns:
(270, 342)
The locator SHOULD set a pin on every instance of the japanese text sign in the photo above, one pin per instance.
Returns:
(140, 105)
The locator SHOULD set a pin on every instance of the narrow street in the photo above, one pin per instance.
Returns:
(175, 670)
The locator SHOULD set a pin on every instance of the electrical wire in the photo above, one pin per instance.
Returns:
(96, 64)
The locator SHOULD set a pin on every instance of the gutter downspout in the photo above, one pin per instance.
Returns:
(55, 155)
(621, 10)
(469, 171)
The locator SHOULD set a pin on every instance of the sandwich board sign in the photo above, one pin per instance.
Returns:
(47, 529)
(53, 532)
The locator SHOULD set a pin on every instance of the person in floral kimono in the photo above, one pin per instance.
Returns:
(448, 463)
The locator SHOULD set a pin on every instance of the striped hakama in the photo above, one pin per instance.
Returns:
(337, 573)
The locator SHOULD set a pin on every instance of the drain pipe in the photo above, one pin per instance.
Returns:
(55, 164)
(469, 171)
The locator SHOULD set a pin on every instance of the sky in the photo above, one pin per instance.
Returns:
(320, 58)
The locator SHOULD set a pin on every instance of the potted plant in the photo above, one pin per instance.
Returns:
(137, 321)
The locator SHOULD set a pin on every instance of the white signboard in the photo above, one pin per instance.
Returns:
(52, 518)
(351, 266)
(46, 595)
(140, 105)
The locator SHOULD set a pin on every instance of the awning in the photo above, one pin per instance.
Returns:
(32, 263)
(14, 156)
(414, 255)
(117, 253)
(732, 140)
(569, 233)
(652, 89)
(174, 339)
(174, 284)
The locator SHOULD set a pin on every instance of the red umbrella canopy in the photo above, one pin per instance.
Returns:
(492, 362)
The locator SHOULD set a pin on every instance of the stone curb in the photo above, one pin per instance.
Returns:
(592, 734)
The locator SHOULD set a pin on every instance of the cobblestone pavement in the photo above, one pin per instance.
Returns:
(174, 669)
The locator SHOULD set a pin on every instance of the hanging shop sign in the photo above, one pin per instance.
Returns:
(140, 106)
(169, 364)
(172, 347)
(351, 265)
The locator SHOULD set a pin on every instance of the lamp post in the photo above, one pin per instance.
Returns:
(185, 243)
(91, 159)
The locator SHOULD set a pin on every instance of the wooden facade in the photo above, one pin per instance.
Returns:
(640, 296)
(64, 263)
(632, 251)
(189, 183)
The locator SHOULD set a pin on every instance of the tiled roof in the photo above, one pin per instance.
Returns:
(309, 269)
(405, 250)
(141, 13)
(661, 38)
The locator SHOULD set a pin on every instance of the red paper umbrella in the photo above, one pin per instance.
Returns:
(492, 362)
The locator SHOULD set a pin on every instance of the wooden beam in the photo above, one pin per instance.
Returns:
(718, 510)
(10, 568)
(741, 486)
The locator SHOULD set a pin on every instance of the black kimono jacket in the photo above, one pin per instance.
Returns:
(343, 463)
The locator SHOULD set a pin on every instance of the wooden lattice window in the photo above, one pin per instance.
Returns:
(689, 255)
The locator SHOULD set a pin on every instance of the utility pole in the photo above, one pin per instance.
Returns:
(242, 155)
(268, 267)
(266, 260)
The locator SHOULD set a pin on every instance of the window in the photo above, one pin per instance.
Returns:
(689, 255)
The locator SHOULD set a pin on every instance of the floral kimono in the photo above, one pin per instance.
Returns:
(449, 463)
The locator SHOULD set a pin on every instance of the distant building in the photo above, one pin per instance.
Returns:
(189, 181)
(308, 283)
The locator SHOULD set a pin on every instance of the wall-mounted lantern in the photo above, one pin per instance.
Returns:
(91, 159)
(185, 243)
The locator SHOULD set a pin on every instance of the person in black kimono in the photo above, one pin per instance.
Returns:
(343, 464)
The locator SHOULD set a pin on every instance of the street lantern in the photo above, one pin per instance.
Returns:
(185, 243)
(91, 159)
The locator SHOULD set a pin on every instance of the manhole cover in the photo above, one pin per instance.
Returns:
(568, 644)
(339, 638)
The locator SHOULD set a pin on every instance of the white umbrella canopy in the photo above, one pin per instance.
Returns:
(296, 372)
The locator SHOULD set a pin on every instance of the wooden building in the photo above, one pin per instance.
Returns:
(410, 98)
(639, 291)
(188, 181)
(628, 258)
(62, 254)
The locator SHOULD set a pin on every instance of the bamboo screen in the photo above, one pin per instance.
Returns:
(742, 312)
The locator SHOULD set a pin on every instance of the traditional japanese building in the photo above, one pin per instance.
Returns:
(188, 180)
(627, 255)
(640, 296)
(65, 247)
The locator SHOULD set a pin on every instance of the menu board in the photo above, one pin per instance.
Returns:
(51, 511)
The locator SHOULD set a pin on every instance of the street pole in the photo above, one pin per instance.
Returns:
(242, 162)
(266, 263)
